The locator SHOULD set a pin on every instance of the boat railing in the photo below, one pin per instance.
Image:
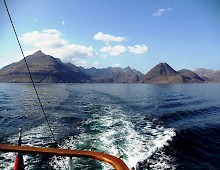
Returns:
(117, 163)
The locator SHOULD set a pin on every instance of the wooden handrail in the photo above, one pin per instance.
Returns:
(117, 163)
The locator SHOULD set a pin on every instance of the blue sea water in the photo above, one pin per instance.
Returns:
(174, 126)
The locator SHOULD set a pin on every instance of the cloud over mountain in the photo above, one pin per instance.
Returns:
(52, 42)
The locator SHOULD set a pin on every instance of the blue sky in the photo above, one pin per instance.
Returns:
(103, 33)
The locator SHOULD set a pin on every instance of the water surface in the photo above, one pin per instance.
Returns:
(165, 126)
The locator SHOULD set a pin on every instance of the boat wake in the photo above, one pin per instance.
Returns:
(110, 130)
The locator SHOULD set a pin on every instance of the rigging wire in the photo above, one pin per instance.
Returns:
(35, 89)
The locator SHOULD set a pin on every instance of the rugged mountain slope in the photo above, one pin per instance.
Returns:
(190, 76)
(209, 74)
(164, 74)
(44, 68)
(113, 75)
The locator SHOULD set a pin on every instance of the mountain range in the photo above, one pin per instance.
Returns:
(47, 69)
(208, 74)
(113, 75)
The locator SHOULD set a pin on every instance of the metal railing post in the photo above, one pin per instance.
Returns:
(70, 163)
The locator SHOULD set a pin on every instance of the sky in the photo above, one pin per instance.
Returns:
(115, 33)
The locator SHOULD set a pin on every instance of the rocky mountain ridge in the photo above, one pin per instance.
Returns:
(47, 69)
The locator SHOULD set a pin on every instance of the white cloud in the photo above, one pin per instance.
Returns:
(83, 63)
(108, 38)
(95, 63)
(79, 62)
(138, 49)
(161, 11)
(63, 23)
(114, 51)
(47, 38)
(116, 65)
(50, 41)
(119, 49)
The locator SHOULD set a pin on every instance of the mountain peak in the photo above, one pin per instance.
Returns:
(163, 69)
(39, 53)
(161, 73)
(128, 68)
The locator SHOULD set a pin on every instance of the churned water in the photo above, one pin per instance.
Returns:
(163, 126)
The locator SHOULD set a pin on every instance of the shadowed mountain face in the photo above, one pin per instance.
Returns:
(113, 75)
(43, 68)
(163, 73)
(209, 74)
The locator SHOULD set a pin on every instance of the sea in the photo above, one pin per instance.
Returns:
(174, 126)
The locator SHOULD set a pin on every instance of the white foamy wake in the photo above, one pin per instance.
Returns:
(111, 131)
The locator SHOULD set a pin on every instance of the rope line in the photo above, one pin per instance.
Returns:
(35, 89)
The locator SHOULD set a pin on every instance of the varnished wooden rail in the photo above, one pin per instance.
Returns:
(117, 163)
